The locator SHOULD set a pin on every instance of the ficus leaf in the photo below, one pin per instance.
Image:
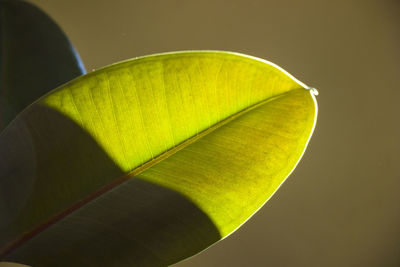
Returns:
(149, 161)
(35, 57)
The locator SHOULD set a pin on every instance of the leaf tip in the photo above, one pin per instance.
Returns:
(313, 90)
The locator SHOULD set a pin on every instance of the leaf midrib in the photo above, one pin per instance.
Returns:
(205, 132)
(103, 190)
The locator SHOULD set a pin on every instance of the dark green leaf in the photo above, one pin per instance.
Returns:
(35, 57)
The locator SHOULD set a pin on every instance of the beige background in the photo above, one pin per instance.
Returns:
(341, 205)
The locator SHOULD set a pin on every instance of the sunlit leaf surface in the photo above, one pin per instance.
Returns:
(149, 161)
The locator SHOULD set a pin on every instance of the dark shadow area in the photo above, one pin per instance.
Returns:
(35, 57)
(48, 164)
(136, 224)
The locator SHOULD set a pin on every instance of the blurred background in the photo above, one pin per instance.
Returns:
(340, 207)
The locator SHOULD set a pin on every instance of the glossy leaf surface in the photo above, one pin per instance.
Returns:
(35, 57)
(149, 161)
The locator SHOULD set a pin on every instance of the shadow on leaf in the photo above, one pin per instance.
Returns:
(48, 164)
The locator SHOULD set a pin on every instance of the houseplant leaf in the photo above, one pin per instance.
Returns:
(149, 161)
(35, 57)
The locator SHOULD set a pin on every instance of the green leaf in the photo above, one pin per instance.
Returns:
(35, 57)
(149, 161)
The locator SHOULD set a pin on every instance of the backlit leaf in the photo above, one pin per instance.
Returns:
(149, 161)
